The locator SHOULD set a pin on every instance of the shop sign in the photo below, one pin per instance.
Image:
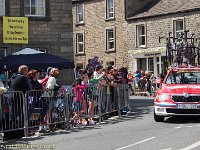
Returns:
(152, 54)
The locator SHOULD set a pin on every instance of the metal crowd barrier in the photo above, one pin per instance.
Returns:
(12, 111)
(114, 99)
(47, 108)
(98, 102)
(84, 108)
(35, 108)
(32, 110)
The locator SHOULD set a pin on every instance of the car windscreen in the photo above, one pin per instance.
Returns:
(181, 77)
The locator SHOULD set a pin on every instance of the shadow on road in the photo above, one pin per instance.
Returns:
(138, 109)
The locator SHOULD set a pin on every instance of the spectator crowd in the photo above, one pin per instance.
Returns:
(85, 89)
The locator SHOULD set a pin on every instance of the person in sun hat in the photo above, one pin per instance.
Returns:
(93, 63)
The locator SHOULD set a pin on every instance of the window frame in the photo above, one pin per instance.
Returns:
(111, 40)
(35, 15)
(77, 14)
(108, 12)
(77, 43)
(174, 26)
(142, 35)
(4, 7)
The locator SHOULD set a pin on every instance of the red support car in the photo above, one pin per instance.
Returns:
(179, 93)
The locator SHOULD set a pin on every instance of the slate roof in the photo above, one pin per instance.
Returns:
(164, 7)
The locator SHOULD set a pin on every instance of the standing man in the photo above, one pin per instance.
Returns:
(20, 83)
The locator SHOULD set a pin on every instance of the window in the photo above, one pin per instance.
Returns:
(79, 43)
(2, 7)
(110, 37)
(81, 65)
(150, 65)
(79, 14)
(141, 36)
(178, 27)
(35, 8)
(109, 9)
(183, 77)
(110, 63)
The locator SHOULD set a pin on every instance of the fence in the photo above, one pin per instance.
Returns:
(34, 109)
(11, 111)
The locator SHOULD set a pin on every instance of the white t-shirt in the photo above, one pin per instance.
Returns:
(51, 83)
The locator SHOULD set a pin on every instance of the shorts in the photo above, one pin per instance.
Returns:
(44, 104)
(77, 106)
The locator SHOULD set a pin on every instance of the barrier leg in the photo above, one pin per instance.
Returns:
(67, 117)
(1, 121)
(119, 102)
(99, 104)
(126, 96)
(25, 108)
(108, 103)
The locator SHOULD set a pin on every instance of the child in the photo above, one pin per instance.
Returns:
(77, 101)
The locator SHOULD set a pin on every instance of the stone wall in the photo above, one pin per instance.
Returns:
(94, 29)
(53, 33)
(160, 26)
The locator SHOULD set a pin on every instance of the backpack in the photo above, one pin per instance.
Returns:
(44, 81)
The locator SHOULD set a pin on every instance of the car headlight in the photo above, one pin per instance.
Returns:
(163, 97)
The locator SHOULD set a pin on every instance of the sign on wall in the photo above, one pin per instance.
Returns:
(153, 54)
(15, 30)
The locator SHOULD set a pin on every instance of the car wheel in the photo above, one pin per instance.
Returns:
(158, 118)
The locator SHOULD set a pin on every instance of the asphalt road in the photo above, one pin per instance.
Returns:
(135, 131)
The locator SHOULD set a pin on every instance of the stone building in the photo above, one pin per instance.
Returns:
(50, 28)
(125, 32)
(149, 19)
(100, 29)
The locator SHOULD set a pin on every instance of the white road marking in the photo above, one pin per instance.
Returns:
(179, 126)
(135, 143)
(192, 146)
(167, 149)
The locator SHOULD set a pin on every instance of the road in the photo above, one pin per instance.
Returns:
(135, 131)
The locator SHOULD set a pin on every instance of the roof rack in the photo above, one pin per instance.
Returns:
(181, 50)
